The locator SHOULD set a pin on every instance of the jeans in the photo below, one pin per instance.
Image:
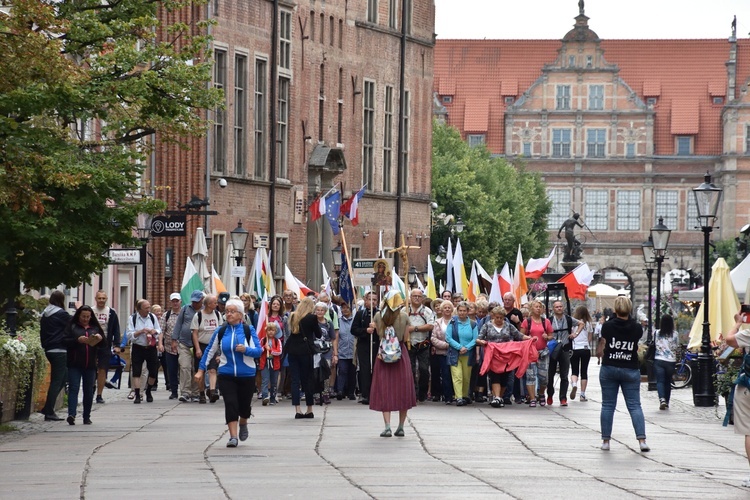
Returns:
(269, 377)
(664, 371)
(58, 375)
(420, 369)
(563, 360)
(612, 379)
(75, 376)
(301, 368)
(441, 377)
(173, 368)
(346, 377)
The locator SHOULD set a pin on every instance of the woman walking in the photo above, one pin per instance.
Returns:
(82, 337)
(393, 383)
(304, 329)
(579, 360)
(462, 338)
(442, 386)
(667, 342)
(236, 344)
(618, 348)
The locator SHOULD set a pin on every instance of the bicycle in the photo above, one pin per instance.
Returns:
(683, 373)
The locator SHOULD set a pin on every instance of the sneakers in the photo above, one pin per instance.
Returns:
(184, 399)
(232, 443)
(563, 402)
(173, 395)
(52, 417)
(605, 445)
(100, 400)
(583, 397)
(109, 385)
(663, 404)
(644, 446)
(573, 392)
(243, 432)
(549, 400)
(461, 402)
(746, 483)
(266, 401)
(87, 421)
(496, 402)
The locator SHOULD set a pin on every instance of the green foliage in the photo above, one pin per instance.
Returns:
(67, 195)
(726, 249)
(502, 205)
(18, 355)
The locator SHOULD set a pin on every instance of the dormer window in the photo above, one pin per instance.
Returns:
(447, 99)
(651, 101)
(509, 100)
(718, 100)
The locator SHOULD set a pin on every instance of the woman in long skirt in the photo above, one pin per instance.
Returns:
(393, 383)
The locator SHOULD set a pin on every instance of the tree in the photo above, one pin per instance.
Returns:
(501, 205)
(84, 85)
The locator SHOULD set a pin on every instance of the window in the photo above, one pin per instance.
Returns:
(368, 131)
(220, 140)
(219, 246)
(407, 16)
(388, 140)
(340, 107)
(341, 33)
(572, 61)
(372, 11)
(666, 206)
(596, 142)
(684, 145)
(475, 140)
(405, 143)
(628, 210)
(560, 211)
(596, 208)
(312, 25)
(527, 149)
(651, 101)
(509, 100)
(392, 6)
(561, 143)
(260, 118)
(285, 39)
(331, 31)
(447, 99)
(282, 140)
(718, 100)
(322, 28)
(356, 252)
(589, 61)
(630, 150)
(321, 102)
(747, 139)
(596, 97)
(563, 97)
(240, 114)
(280, 259)
(692, 223)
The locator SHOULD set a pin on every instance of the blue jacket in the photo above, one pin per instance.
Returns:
(453, 338)
(231, 362)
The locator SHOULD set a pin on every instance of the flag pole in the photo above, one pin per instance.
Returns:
(348, 260)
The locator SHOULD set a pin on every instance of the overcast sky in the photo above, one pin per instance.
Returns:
(551, 19)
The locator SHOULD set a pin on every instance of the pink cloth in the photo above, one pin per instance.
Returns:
(506, 356)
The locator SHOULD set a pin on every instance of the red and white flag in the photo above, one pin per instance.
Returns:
(577, 281)
(495, 294)
(505, 281)
(262, 317)
(536, 267)
(295, 285)
(351, 207)
(520, 287)
(317, 208)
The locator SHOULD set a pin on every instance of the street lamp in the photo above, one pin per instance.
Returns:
(143, 222)
(649, 259)
(707, 198)
(411, 277)
(660, 238)
(336, 255)
(239, 240)
(459, 225)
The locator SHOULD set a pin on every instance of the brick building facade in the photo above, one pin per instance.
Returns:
(621, 131)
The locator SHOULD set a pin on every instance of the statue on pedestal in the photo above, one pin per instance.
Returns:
(573, 246)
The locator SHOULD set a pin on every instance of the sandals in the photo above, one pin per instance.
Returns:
(541, 401)
(386, 433)
(131, 395)
(532, 404)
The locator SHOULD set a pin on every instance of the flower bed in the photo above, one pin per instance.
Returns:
(23, 368)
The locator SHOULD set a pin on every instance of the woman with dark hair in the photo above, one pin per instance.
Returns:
(393, 383)
(579, 360)
(618, 348)
(82, 337)
(665, 357)
(52, 326)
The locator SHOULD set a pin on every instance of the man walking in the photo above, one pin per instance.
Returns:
(182, 340)
(107, 318)
(562, 326)
(144, 329)
(421, 322)
(367, 344)
(203, 325)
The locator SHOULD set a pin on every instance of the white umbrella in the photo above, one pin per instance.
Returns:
(723, 305)
(200, 257)
(229, 281)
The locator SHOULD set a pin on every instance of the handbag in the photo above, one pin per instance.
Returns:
(390, 348)
(651, 351)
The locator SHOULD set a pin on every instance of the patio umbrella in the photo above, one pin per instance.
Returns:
(723, 305)
(229, 281)
(200, 257)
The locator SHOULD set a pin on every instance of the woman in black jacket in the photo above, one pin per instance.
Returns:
(304, 329)
(55, 319)
(82, 339)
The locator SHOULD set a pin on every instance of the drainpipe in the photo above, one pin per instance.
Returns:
(400, 160)
(272, 152)
(209, 144)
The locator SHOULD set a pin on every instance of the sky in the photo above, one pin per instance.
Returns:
(610, 19)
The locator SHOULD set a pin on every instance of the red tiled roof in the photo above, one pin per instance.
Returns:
(685, 117)
(509, 88)
(717, 89)
(476, 115)
(679, 70)
(447, 86)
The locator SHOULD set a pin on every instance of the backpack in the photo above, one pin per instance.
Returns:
(454, 322)
(200, 316)
(390, 349)
(223, 328)
(150, 315)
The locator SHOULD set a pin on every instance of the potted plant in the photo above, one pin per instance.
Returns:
(23, 367)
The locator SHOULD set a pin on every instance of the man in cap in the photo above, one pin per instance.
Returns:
(182, 340)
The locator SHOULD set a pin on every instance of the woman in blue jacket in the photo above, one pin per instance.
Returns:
(237, 346)
(461, 335)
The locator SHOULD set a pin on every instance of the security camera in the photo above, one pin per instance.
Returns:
(222, 183)
(433, 205)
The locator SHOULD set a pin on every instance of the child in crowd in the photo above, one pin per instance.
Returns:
(270, 363)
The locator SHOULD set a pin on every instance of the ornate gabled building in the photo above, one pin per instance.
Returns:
(620, 130)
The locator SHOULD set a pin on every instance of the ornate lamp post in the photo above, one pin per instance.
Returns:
(707, 198)
(412, 276)
(144, 232)
(239, 240)
(660, 237)
(649, 260)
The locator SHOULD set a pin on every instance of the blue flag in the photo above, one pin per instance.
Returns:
(345, 282)
(333, 208)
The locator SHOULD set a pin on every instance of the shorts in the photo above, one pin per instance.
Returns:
(103, 357)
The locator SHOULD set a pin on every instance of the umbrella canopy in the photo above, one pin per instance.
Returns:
(229, 281)
(200, 258)
(723, 305)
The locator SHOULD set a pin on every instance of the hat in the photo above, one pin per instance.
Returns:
(175, 296)
(196, 296)
(223, 297)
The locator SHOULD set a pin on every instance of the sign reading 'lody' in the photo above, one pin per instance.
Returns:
(168, 226)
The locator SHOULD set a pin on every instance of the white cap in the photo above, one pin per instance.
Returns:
(175, 296)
